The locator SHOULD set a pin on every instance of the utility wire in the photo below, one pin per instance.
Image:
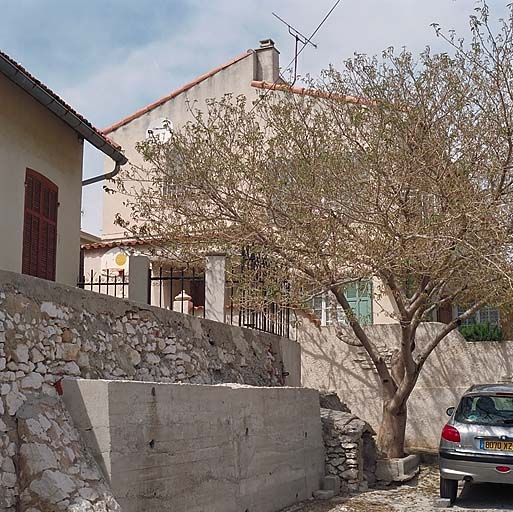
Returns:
(261, 98)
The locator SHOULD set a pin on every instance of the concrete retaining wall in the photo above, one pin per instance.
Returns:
(168, 447)
(330, 364)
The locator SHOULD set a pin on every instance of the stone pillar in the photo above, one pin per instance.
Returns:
(138, 278)
(215, 284)
(183, 303)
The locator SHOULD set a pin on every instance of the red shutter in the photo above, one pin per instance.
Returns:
(40, 226)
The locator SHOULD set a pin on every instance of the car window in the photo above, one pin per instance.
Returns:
(485, 410)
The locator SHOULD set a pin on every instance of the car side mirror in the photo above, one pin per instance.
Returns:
(450, 411)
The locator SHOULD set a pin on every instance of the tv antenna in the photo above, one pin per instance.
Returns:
(299, 38)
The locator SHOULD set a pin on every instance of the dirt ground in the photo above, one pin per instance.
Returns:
(419, 495)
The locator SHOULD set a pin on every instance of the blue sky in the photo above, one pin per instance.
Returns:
(108, 58)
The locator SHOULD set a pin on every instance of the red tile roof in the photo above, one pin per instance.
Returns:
(309, 92)
(175, 93)
(114, 243)
(33, 86)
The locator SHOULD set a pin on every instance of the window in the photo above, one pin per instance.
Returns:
(486, 315)
(39, 226)
(485, 410)
(359, 296)
(171, 190)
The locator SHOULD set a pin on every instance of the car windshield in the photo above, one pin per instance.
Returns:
(486, 410)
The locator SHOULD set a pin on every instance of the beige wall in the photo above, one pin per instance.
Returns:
(235, 79)
(328, 363)
(383, 311)
(32, 137)
(161, 294)
(93, 262)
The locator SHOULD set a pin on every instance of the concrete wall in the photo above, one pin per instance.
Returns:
(330, 364)
(235, 79)
(228, 448)
(32, 137)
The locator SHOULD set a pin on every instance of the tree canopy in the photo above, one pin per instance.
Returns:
(398, 168)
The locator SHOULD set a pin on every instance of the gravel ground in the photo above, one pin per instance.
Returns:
(419, 495)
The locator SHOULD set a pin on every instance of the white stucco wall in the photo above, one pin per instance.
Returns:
(235, 79)
(32, 137)
(383, 311)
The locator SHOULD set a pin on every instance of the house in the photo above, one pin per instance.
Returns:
(248, 74)
(237, 76)
(41, 155)
(252, 73)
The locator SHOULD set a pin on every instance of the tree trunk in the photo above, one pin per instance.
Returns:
(392, 432)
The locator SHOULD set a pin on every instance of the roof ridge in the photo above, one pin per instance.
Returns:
(174, 93)
(258, 84)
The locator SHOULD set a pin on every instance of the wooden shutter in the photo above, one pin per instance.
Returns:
(359, 296)
(40, 226)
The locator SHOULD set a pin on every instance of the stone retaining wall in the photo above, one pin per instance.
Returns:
(48, 331)
(350, 449)
(55, 470)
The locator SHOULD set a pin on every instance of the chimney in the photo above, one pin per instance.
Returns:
(266, 43)
(267, 62)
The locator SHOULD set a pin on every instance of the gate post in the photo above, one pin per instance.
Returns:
(138, 278)
(215, 284)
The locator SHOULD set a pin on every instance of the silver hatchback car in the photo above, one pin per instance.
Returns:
(477, 442)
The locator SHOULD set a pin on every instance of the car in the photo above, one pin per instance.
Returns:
(476, 444)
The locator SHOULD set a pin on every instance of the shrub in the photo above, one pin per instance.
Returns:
(481, 332)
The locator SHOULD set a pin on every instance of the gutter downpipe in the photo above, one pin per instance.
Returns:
(101, 177)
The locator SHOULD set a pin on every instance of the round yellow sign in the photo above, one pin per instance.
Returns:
(120, 259)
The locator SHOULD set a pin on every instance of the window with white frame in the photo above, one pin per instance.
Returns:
(486, 315)
(359, 296)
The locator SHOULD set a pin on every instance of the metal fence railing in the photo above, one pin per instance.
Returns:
(183, 290)
(165, 284)
(107, 283)
(255, 307)
(272, 318)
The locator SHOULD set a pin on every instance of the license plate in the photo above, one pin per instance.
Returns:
(499, 446)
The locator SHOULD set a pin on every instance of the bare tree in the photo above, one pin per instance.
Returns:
(397, 168)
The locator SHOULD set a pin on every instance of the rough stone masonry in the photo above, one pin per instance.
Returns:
(350, 450)
(48, 331)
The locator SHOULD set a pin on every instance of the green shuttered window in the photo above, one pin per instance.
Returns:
(359, 296)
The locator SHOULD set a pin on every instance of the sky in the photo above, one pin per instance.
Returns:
(108, 58)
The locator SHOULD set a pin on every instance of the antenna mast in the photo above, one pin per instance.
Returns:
(299, 38)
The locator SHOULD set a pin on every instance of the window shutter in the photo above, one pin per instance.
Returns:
(40, 226)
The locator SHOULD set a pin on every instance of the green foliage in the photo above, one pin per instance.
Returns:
(481, 332)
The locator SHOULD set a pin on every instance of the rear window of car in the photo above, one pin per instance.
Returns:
(485, 410)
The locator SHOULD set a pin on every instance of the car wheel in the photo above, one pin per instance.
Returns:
(448, 489)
